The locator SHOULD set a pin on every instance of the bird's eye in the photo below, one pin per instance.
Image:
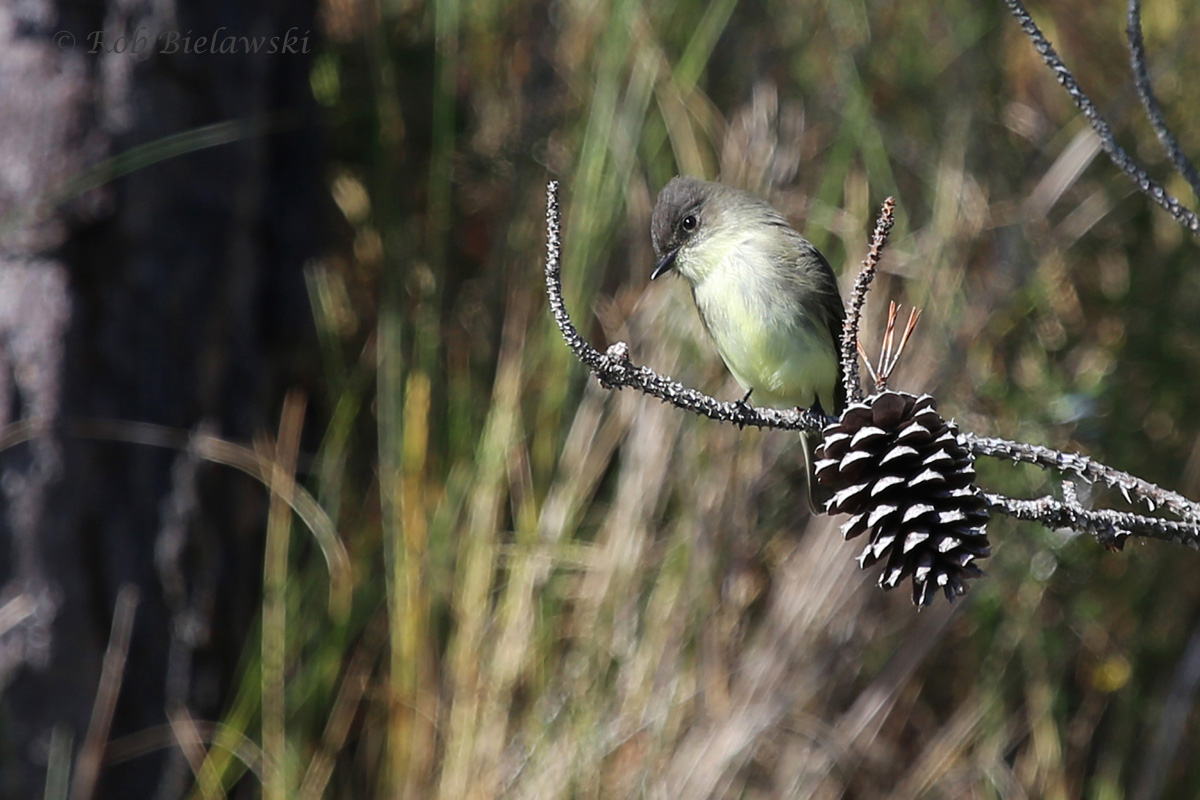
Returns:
(690, 222)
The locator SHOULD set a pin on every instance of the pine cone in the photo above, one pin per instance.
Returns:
(906, 476)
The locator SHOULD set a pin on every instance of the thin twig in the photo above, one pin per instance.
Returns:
(1183, 215)
(1154, 112)
(858, 296)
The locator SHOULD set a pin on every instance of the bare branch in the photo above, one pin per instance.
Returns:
(1183, 215)
(858, 297)
(1128, 485)
(1111, 528)
(1154, 112)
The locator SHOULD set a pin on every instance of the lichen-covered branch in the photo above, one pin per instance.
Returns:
(858, 296)
(1111, 528)
(1130, 486)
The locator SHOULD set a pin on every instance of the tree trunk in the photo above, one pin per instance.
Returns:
(172, 294)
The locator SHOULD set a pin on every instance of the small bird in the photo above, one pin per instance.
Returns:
(767, 296)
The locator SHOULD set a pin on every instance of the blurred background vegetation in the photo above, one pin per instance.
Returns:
(588, 594)
(563, 592)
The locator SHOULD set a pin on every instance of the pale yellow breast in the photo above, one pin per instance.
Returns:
(764, 336)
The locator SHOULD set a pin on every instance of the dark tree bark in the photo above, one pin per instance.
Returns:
(172, 295)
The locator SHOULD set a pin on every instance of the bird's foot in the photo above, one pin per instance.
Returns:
(817, 409)
(744, 408)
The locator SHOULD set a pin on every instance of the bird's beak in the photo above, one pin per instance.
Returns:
(668, 261)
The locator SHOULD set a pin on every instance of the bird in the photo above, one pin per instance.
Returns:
(766, 295)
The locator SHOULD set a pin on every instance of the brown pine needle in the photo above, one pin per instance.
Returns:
(914, 315)
(889, 350)
(867, 361)
(885, 350)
